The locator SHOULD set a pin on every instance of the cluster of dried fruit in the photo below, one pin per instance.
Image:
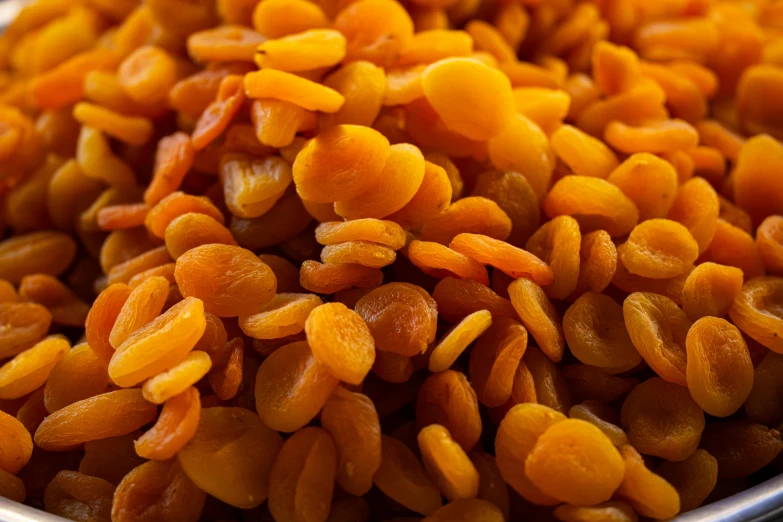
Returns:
(340, 260)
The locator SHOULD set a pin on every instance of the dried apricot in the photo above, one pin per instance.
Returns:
(306, 465)
(662, 419)
(292, 387)
(596, 334)
(107, 415)
(402, 478)
(710, 290)
(240, 283)
(341, 341)
(755, 311)
(157, 490)
(550, 465)
(231, 456)
(447, 398)
(447, 463)
(694, 478)
(516, 437)
(401, 317)
(658, 329)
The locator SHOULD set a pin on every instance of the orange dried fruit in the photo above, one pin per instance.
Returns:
(29, 370)
(240, 283)
(341, 341)
(291, 387)
(351, 420)
(447, 463)
(402, 478)
(447, 398)
(755, 311)
(340, 163)
(658, 329)
(658, 249)
(160, 344)
(107, 415)
(238, 473)
(539, 316)
(662, 419)
(402, 318)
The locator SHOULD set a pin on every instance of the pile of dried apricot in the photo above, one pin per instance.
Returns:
(354, 260)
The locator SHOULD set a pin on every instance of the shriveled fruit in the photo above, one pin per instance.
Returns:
(284, 315)
(397, 184)
(648, 493)
(175, 427)
(229, 280)
(694, 478)
(594, 203)
(291, 387)
(441, 262)
(402, 478)
(741, 447)
(602, 417)
(30, 369)
(194, 229)
(756, 311)
(763, 403)
(157, 491)
(662, 419)
(401, 317)
(373, 230)
(340, 163)
(340, 340)
(71, 493)
(494, 358)
(710, 290)
(306, 465)
(658, 329)
(447, 463)
(590, 383)
(24, 325)
(107, 415)
(769, 239)
(143, 305)
(575, 462)
(457, 340)
(17, 444)
(614, 511)
(516, 437)
(458, 298)
(719, 369)
(558, 244)
(333, 277)
(596, 334)
(231, 456)
(658, 249)
(539, 316)
(177, 379)
(551, 388)
(473, 214)
(465, 510)
(80, 374)
(358, 252)
(511, 260)
(697, 207)
(111, 458)
(459, 104)
(160, 344)
(447, 398)
(351, 420)
(649, 181)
